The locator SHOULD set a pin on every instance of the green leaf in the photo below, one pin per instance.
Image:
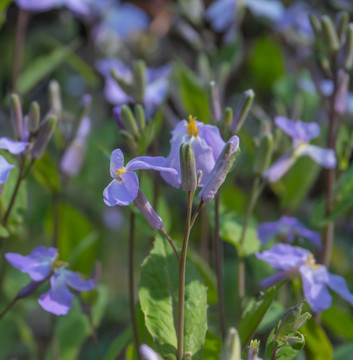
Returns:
(338, 321)
(343, 352)
(254, 315)
(212, 347)
(158, 296)
(42, 66)
(45, 172)
(193, 93)
(318, 345)
(118, 345)
(3, 7)
(4, 233)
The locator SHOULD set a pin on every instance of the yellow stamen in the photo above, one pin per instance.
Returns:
(59, 263)
(311, 261)
(121, 172)
(191, 126)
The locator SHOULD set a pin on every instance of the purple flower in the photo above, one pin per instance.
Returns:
(81, 7)
(156, 84)
(13, 146)
(125, 185)
(289, 227)
(43, 263)
(293, 261)
(270, 9)
(206, 143)
(5, 168)
(147, 353)
(301, 133)
(221, 14)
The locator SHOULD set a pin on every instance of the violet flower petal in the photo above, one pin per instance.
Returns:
(274, 279)
(221, 14)
(279, 168)
(147, 353)
(116, 162)
(338, 285)
(13, 146)
(36, 5)
(212, 136)
(74, 281)
(5, 168)
(298, 130)
(149, 162)
(324, 157)
(122, 192)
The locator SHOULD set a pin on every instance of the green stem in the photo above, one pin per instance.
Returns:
(8, 307)
(182, 264)
(170, 240)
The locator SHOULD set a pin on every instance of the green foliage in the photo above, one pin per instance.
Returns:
(212, 347)
(158, 296)
(339, 321)
(118, 345)
(150, 133)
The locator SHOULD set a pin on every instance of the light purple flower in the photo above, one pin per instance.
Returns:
(317, 280)
(270, 9)
(221, 14)
(206, 142)
(12, 146)
(43, 263)
(156, 84)
(81, 7)
(5, 168)
(289, 227)
(147, 353)
(301, 133)
(125, 185)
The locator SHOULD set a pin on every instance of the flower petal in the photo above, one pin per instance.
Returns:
(74, 281)
(58, 299)
(268, 230)
(5, 168)
(116, 162)
(279, 168)
(315, 280)
(148, 353)
(298, 130)
(150, 162)
(13, 146)
(338, 285)
(274, 279)
(122, 192)
(213, 138)
(324, 157)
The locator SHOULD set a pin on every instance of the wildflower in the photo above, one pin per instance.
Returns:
(125, 185)
(12, 146)
(206, 143)
(43, 263)
(289, 227)
(221, 14)
(301, 133)
(293, 260)
(78, 6)
(5, 168)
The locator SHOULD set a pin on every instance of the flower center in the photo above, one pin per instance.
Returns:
(311, 262)
(58, 263)
(191, 126)
(120, 172)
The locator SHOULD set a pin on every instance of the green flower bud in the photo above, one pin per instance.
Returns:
(343, 19)
(139, 71)
(215, 101)
(263, 154)
(348, 61)
(16, 115)
(231, 348)
(33, 117)
(129, 121)
(227, 117)
(243, 110)
(315, 24)
(188, 168)
(140, 117)
(330, 34)
(55, 98)
(45, 133)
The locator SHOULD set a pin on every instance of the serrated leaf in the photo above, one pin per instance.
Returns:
(287, 347)
(158, 293)
(293, 320)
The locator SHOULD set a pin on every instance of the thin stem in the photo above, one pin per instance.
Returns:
(255, 192)
(171, 243)
(196, 213)
(218, 264)
(94, 334)
(131, 284)
(182, 264)
(9, 306)
(55, 205)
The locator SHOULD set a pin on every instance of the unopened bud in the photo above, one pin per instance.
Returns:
(33, 117)
(253, 350)
(231, 348)
(330, 34)
(263, 154)
(219, 172)
(188, 168)
(315, 24)
(348, 61)
(325, 65)
(139, 70)
(147, 211)
(199, 177)
(342, 21)
(55, 98)
(129, 120)
(122, 82)
(45, 133)
(243, 110)
(227, 117)
(16, 115)
(140, 117)
(215, 101)
(117, 117)
(342, 90)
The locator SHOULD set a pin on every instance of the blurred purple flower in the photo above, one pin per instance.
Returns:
(72, 159)
(147, 353)
(13, 146)
(301, 133)
(293, 261)
(43, 263)
(156, 84)
(270, 9)
(206, 142)
(125, 185)
(81, 7)
(5, 168)
(290, 227)
(221, 14)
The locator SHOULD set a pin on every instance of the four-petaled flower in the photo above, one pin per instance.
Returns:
(289, 227)
(206, 142)
(293, 260)
(301, 133)
(43, 263)
(125, 185)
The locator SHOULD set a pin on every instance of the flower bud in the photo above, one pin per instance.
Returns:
(117, 117)
(33, 117)
(139, 70)
(140, 116)
(343, 18)
(243, 110)
(55, 98)
(263, 154)
(147, 211)
(348, 61)
(16, 115)
(253, 350)
(219, 172)
(188, 168)
(231, 348)
(330, 34)
(215, 101)
(227, 117)
(45, 133)
(129, 120)
(122, 82)
(342, 90)
(315, 24)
